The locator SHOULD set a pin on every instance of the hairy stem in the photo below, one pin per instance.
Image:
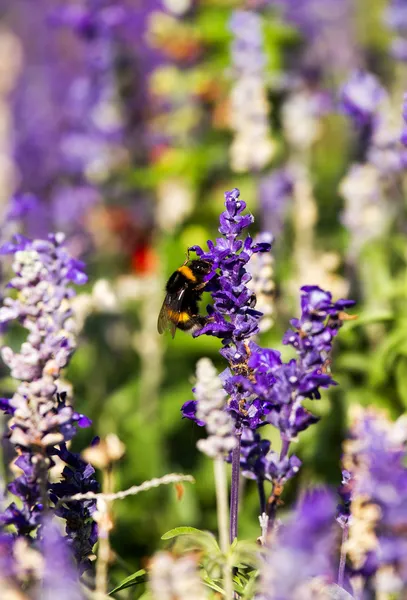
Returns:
(223, 519)
(234, 490)
(262, 495)
(277, 488)
(103, 558)
(285, 445)
(342, 560)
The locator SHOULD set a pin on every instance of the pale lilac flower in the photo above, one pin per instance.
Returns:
(172, 577)
(210, 408)
(252, 147)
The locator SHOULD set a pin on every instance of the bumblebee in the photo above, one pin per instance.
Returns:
(184, 290)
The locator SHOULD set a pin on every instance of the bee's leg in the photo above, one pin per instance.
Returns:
(187, 257)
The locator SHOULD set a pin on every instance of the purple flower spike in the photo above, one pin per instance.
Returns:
(234, 318)
(275, 194)
(262, 388)
(42, 418)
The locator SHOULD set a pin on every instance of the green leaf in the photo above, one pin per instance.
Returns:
(131, 580)
(238, 584)
(250, 587)
(211, 584)
(203, 539)
(382, 362)
(182, 531)
(400, 375)
(246, 553)
(368, 317)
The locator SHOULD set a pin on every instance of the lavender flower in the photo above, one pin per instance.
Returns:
(262, 388)
(367, 103)
(284, 386)
(262, 285)
(275, 193)
(374, 458)
(366, 214)
(300, 563)
(42, 419)
(233, 318)
(67, 111)
(302, 116)
(252, 147)
(211, 399)
(381, 159)
(91, 143)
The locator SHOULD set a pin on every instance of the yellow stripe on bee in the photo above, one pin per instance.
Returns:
(180, 317)
(186, 272)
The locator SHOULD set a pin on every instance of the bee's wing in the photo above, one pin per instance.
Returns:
(164, 322)
(170, 313)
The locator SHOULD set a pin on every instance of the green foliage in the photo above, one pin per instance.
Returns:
(131, 580)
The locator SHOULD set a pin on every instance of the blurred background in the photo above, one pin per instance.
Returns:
(123, 122)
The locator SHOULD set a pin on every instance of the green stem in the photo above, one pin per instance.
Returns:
(223, 523)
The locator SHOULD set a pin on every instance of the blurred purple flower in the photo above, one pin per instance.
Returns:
(252, 146)
(69, 128)
(247, 46)
(327, 27)
(361, 97)
(375, 460)
(60, 578)
(302, 551)
(20, 206)
(275, 193)
(395, 17)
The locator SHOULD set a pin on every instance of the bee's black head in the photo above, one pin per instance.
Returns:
(200, 267)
